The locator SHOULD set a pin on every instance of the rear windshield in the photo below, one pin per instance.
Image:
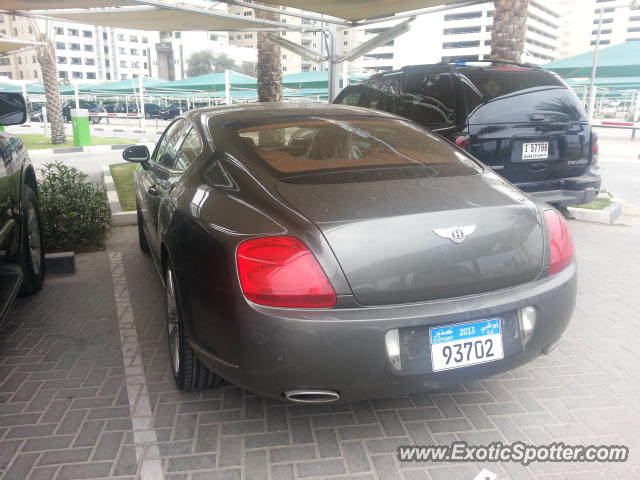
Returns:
(351, 146)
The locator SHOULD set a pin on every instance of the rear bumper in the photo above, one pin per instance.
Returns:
(344, 350)
(565, 192)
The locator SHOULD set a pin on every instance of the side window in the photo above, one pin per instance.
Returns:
(383, 95)
(190, 149)
(167, 150)
(429, 99)
(351, 96)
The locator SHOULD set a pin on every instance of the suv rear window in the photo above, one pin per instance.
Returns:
(291, 146)
(513, 95)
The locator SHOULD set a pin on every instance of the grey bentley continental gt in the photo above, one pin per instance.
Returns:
(327, 252)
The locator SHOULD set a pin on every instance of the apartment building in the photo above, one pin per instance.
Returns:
(581, 19)
(83, 52)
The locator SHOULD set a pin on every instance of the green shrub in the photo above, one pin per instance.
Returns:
(75, 212)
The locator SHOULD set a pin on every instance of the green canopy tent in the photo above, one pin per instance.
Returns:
(621, 60)
(8, 88)
(211, 82)
(120, 87)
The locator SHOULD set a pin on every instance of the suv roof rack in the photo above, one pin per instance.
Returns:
(528, 65)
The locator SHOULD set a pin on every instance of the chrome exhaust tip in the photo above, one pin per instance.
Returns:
(312, 396)
(549, 348)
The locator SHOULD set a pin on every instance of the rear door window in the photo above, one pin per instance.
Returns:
(429, 98)
(351, 95)
(384, 94)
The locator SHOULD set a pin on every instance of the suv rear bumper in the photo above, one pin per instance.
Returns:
(565, 192)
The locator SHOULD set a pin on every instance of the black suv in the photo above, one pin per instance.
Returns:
(522, 121)
(21, 248)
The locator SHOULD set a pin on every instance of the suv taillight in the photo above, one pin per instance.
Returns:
(560, 243)
(461, 141)
(282, 272)
(595, 147)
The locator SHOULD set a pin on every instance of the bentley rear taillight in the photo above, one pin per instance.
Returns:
(282, 272)
(560, 243)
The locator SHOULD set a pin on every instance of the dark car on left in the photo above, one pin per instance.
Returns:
(21, 252)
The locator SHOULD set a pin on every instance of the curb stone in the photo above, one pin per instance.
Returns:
(607, 215)
(118, 217)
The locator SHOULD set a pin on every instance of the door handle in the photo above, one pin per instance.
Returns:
(153, 191)
(537, 167)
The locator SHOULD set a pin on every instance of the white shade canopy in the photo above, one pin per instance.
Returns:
(162, 14)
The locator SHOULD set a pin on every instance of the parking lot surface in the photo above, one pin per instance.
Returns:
(86, 390)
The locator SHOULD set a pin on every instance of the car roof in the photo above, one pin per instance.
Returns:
(254, 110)
(459, 67)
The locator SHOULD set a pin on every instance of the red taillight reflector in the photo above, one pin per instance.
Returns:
(461, 141)
(282, 272)
(594, 143)
(560, 243)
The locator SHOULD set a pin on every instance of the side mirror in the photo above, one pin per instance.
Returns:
(13, 109)
(136, 153)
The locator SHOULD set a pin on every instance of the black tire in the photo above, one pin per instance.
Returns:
(142, 237)
(147, 116)
(188, 371)
(31, 248)
(95, 120)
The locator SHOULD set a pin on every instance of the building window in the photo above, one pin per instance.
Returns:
(247, 13)
(603, 31)
(76, 75)
(35, 74)
(74, 46)
(213, 37)
(60, 46)
(91, 75)
(72, 32)
(633, 29)
(462, 16)
(122, 50)
(145, 66)
(62, 60)
(34, 59)
(469, 44)
(30, 29)
(284, 56)
(87, 34)
(602, 42)
(460, 30)
(21, 74)
(144, 53)
(123, 76)
(76, 61)
(284, 34)
(59, 31)
(19, 60)
(346, 32)
(633, 39)
(178, 34)
(284, 69)
(106, 49)
(248, 36)
(145, 40)
(134, 51)
(345, 43)
(104, 36)
(133, 38)
(123, 64)
(634, 19)
(108, 76)
(63, 74)
(88, 48)
(89, 61)
(120, 37)
(305, 68)
(5, 61)
(604, 20)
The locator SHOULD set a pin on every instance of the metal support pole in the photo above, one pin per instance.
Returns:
(227, 87)
(76, 94)
(141, 89)
(334, 65)
(592, 85)
(44, 120)
(636, 113)
(24, 95)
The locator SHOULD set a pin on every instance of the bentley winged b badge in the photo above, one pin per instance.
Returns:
(455, 234)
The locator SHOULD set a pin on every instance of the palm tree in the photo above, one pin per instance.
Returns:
(269, 68)
(46, 58)
(509, 31)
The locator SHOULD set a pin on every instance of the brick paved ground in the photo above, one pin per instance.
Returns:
(64, 390)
